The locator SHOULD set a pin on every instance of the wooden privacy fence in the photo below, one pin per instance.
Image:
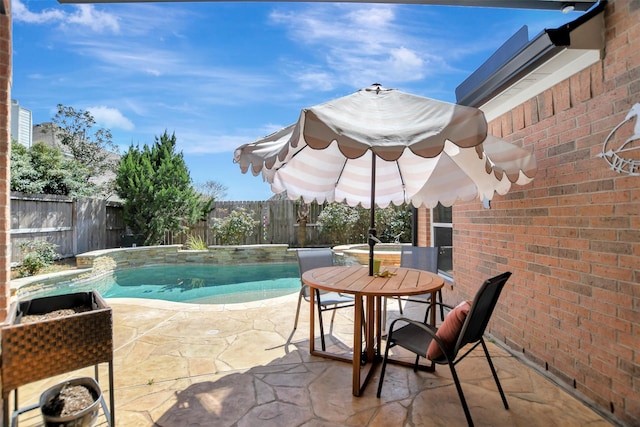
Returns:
(277, 222)
(75, 226)
(83, 225)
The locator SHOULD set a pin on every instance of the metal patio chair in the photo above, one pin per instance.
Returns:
(325, 301)
(421, 258)
(425, 340)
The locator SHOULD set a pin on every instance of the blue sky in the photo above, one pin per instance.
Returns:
(223, 74)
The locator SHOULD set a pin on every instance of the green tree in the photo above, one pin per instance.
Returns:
(394, 224)
(24, 177)
(209, 192)
(155, 185)
(338, 220)
(212, 189)
(44, 170)
(345, 224)
(235, 228)
(38, 255)
(360, 231)
(91, 147)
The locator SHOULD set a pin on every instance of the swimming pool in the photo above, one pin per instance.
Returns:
(200, 284)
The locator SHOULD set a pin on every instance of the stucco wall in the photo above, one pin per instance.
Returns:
(572, 236)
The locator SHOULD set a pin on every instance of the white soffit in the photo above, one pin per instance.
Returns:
(552, 72)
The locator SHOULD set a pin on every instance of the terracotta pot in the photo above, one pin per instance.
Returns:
(83, 418)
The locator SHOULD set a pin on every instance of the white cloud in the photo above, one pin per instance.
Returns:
(84, 16)
(88, 16)
(357, 45)
(133, 55)
(406, 63)
(210, 141)
(20, 13)
(110, 118)
(315, 80)
(191, 142)
(372, 16)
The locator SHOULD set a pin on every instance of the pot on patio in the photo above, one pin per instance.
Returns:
(73, 403)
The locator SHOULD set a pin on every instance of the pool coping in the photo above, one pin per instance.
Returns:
(94, 264)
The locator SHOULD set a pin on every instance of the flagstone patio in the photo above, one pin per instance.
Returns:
(209, 365)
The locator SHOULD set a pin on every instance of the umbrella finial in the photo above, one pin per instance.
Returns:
(376, 87)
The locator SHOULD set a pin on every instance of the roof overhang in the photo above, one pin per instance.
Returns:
(579, 5)
(522, 69)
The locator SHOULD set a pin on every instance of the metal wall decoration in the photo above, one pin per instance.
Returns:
(624, 156)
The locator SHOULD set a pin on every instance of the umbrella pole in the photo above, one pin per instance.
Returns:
(372, 215)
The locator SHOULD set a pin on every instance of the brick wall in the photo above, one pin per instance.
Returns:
(572, 236)
(5, 155)
(424, 229)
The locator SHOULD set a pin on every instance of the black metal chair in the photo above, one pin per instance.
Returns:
(422, 258)
(325, 301)
(417, 337)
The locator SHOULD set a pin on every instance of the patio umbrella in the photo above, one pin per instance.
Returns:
(379, 146)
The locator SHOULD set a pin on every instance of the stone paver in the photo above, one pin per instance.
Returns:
(205, 365)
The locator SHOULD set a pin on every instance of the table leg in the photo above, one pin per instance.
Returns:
(433, 308)
(379, 325)
(357, 344)
(312, 311)
(371, 325)
(432, 368)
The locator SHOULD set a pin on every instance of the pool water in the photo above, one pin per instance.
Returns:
(200, 284)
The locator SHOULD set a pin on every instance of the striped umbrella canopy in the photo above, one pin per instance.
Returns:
(379, 146)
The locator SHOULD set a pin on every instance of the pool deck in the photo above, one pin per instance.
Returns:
(212, 365)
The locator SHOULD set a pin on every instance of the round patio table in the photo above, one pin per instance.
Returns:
(368, 292)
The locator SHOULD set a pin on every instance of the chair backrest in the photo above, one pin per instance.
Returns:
(420, 257)
(481, 310)
(313, 258)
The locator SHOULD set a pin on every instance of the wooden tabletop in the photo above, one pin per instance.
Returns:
(356, 280)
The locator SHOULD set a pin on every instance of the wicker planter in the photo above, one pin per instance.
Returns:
(83, 418)
(43, 349)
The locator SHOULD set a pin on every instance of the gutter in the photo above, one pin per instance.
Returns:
(495, 76)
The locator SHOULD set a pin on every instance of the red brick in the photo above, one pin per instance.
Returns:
(561, 96)
(518, 119)
(531, 116)
(506, 125)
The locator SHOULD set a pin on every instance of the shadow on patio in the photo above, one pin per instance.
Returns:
(191, 365)
(318, 393)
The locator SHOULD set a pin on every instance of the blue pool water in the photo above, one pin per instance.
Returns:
(200, 284)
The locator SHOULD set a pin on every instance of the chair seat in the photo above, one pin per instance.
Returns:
(418, 298)
(413, 338)
(332, 298)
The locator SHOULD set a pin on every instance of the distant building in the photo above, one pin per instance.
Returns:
(41, 134)
(21, 124)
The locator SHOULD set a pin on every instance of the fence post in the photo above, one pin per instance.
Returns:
(74, 225)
